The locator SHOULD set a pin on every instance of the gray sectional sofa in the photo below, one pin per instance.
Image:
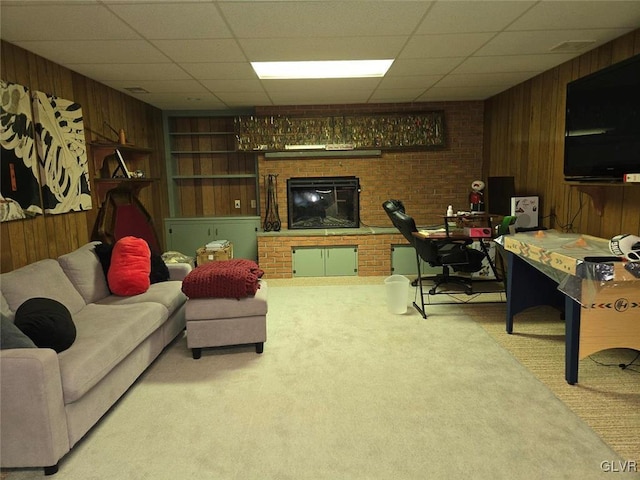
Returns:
(49, 400)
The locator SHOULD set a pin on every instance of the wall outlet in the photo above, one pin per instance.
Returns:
(253, 204)
(237, 203)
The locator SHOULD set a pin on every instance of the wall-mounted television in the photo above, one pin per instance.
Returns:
(602, 124)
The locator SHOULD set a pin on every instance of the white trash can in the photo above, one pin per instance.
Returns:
(397, 287)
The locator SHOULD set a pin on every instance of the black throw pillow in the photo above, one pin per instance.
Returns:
(103, 252)
(159, 269)
(47, 323)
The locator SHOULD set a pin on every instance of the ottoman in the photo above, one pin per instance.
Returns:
(216, 322)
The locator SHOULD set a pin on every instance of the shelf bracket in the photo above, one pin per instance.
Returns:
(596, 192)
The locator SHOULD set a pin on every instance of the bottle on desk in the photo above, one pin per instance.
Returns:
(450, 221)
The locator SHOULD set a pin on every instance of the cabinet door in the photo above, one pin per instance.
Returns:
(241, 232)
(341, 261)
(187, 237)
(308, 262)
(403, 262)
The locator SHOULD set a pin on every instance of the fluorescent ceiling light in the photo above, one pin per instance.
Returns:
(321, 69)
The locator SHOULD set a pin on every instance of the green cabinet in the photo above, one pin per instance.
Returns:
(186, 235)
(324, 261)
(403, 262)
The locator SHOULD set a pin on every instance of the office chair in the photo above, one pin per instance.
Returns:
(450, 254)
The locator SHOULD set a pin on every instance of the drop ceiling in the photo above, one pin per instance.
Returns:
(194, 55)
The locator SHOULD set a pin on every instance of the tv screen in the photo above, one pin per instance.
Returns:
(602, 124)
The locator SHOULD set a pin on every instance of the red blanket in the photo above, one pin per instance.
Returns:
(237, 278)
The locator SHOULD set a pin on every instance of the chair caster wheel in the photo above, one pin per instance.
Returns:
(432, 291)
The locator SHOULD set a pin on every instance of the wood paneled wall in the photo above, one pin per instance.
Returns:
(48, 236)
(524, 138)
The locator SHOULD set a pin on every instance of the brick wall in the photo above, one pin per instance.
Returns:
(426, 181)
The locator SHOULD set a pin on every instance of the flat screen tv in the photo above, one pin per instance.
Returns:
(602, 124)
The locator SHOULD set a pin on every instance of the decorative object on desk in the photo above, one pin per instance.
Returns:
(20, 196)
(626, 245)
(476, 197)
(272, 216)
(138, 174)
(122, 137)
(122, 167)
(62, 154)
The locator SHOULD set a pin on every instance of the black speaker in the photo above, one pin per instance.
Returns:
(499, 193)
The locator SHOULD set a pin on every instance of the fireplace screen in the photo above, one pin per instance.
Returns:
(323, 202)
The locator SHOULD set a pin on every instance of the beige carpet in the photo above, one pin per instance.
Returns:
(343, 390)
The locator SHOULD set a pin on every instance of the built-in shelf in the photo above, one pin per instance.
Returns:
(596, 190)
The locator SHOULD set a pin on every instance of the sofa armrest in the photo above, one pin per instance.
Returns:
(177, 271)
(34, 424)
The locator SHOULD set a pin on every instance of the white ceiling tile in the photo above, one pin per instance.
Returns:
(568, 15)
(244, 99)
(92, 51)
(212, 71)
(233, 85)
(161, 86)
(421, 81)
(435, 46)
(130, 72)
(539, 41)
(484, 79)
(201, 50)
(512, 63)
(395, 95)
(424, 66)
(337, 48)
(62, 22)
(471, 16)
(459, 93)
(322, 19)
(178, 22)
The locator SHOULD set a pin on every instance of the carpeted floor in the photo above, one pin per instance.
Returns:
(347, 390)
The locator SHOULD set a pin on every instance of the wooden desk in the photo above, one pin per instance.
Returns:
(601, 300)
(446, 234)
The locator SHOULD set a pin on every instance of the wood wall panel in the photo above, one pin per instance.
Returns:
(49, 236)
(524, 137)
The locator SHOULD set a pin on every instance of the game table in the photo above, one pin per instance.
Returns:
(598, 292)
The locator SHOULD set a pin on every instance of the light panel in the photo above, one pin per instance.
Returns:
(321, 69)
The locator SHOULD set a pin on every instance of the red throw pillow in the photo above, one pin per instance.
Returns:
(130, 267)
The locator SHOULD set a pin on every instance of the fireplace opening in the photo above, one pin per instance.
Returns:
(323, 202)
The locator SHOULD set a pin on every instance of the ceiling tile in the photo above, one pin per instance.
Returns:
(484, 79)
(471, 16)
(424, 66)
(162, 86)
(435, 46)
(421, 81)
(244, 99)
(234, 85)
(92, 51)
(568, 15)
(512, 63)
(459, 93)
(201, 50)
(541, 41)
(71, 22)
(130, 72)
(396, 95)
(211, 71)
(322, 19)
(337, 48)
(178, 22)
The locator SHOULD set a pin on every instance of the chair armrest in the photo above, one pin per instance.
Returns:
(34, 423)
(177, 271)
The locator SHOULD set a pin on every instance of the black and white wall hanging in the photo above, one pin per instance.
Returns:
(62, 154)
(19, 175)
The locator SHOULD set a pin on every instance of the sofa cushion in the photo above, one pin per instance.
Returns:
(12, 337)
(83, 268)
(47, 322)
(106, 335)
(130, 267)
(44, 278)
(164, 293)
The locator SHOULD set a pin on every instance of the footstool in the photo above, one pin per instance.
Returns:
(216, 322)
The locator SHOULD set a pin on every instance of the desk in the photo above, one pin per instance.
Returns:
(601, 299)
(443, 234)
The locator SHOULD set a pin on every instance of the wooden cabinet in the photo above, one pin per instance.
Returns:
(403, 262)
(208, 175)
(186, 235)
(105, 163)
(325, 261)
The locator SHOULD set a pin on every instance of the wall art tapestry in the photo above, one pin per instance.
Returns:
(19, 175)
(62, 154)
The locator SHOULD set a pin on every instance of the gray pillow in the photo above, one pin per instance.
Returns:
(12, 337)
